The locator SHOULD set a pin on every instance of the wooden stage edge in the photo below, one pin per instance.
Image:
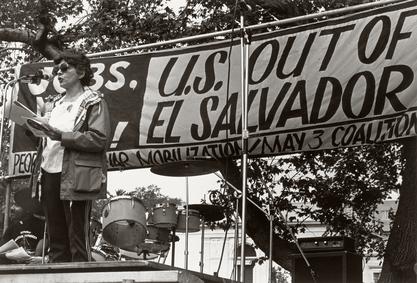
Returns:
(132, 271)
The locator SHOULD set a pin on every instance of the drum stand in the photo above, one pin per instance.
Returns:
(145, 253)
(173, 248)
(186, 168)
(44, 243)
(203, 224)
(210, 213)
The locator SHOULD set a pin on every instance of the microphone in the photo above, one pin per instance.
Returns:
(244, 6)
(35, 78)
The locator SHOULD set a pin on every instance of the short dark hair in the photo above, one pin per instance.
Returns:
(79, 61)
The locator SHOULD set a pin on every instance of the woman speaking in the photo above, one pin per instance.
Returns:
(72, 165)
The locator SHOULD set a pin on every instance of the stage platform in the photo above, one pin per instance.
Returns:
(131, 271)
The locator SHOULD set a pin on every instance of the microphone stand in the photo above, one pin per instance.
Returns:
(25, 79)
(3, 107)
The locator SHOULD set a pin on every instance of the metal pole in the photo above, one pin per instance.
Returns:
(3, 109)
(44, 242)
(186, 224)
(7, 204)
(3, 114)
(202, 245)
(252, 27)
(8, 181)
(245, 135)
(271, 220)
(236, 237)
(173, 247)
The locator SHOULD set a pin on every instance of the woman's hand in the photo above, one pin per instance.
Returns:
(53, 133)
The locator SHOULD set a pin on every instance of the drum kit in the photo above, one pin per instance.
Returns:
(131, 232)
(127, 235)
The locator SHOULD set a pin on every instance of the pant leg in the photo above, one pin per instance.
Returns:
(59, 249)
(78, 214)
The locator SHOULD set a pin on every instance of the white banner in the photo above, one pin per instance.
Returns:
(338, 83)
(343, 82)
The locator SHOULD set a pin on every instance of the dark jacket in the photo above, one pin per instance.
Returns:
(84, 167)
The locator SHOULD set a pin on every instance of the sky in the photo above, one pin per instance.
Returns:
(175, 187)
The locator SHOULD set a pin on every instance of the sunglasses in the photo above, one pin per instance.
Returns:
(63, 67)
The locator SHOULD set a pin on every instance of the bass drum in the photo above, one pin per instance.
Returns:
(124, 222)
(104, 253)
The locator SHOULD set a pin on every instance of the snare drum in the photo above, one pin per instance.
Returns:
(157, 241)
(149, 247)
(124, 222)
(164, 215)
(193, 221)
(156, 234)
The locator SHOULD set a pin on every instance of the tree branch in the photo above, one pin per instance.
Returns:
(17, 35)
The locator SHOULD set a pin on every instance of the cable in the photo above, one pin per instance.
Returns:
(227, 131)
(222, 253)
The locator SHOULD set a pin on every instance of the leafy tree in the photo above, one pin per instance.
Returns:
(343, 186)
(279, 275)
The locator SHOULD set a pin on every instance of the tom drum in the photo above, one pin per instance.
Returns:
(164, 215)
(124, 222)
(193, 221)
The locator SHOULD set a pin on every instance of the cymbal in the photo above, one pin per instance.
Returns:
(187, 168)
(209, 212)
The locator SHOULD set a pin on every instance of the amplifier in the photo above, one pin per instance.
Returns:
(320, 244)
(329, 267)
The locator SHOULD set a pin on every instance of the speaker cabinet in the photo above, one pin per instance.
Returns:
(329, 267)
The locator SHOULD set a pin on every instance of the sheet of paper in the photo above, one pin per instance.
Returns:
(10, 245)
(19, 255)
(19, 111)
(20, 114)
